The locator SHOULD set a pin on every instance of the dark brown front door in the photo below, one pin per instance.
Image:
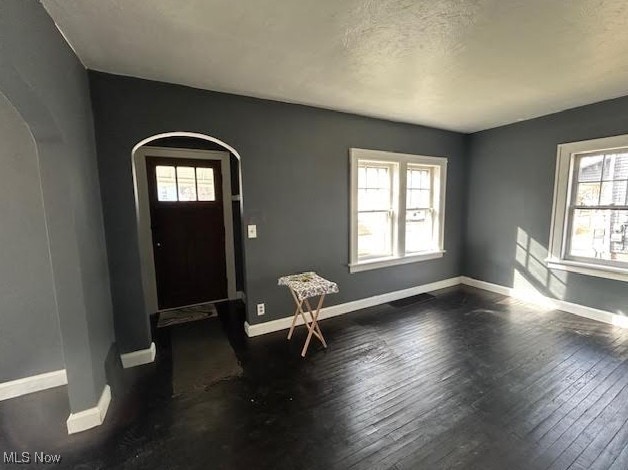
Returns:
(187, 222)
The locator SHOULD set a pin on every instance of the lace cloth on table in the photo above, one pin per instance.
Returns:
(308, 284)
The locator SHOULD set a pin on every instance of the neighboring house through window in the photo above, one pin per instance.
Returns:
(590, 215)
(397, 208)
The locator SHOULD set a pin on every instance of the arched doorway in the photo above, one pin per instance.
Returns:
(172, 218)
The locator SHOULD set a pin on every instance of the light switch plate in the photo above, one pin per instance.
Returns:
(252, 229)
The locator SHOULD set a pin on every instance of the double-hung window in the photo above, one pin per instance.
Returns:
(397, 208)
(590, 218)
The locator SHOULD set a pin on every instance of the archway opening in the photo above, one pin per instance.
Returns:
(160, 232)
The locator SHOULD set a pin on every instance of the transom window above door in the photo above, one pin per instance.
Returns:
(184, 183)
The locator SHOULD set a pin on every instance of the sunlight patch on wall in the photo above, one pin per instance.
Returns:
(532, 272)
(523, 289)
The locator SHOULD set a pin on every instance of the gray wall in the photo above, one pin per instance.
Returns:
(295, 171)
(27, 303)
(45, 82)
(511, 184)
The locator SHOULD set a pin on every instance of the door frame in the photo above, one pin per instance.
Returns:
(145, 236)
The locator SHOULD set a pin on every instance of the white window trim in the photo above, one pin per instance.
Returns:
(558, 258)
(399, 257)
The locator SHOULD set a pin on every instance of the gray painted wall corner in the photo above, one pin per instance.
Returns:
(43, 79)
(510, 203)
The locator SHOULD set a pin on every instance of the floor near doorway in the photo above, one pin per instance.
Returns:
(186, 314)
(201, 356)
(468, 379)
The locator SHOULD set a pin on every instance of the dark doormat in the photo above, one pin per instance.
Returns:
(201, 356)
(186, 314)
(415, 299)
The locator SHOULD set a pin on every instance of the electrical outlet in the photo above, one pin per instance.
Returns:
(252, 229)
(261, 309)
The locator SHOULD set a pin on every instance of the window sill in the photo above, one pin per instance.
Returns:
(589, 269)
(394, 261)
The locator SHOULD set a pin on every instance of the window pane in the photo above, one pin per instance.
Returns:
(590, 168)
(600, 234)
(187, 183)
(374, 188)
(424, 198)
(414, 180)
(383, 178)
(412, 199)
(205, 183)
(419, 235)
(372, 178)
(418, 199)
(588, 194)
(418, 179)
(374, 234)
(613, 193)
(418, 192)
(373, 199)
(361, 177)
(616, 167)
(166, 183)
(425, 180)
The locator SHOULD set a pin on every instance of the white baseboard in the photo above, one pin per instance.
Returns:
(92, 417)
(34, 383)
(537, 298)
(340, 309)
(138, 358)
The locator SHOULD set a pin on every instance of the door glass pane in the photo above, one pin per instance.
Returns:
(205, 183)
(187, 183)
(374, 234)
(166, 183)
(600, 234)
(419, 235)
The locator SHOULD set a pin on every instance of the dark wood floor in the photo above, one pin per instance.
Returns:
(466, 380)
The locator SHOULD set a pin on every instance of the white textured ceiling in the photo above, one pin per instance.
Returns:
(464, 65)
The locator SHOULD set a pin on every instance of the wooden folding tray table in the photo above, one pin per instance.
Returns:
(303, 287)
